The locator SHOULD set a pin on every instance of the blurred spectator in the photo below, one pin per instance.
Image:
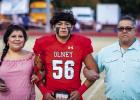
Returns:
(138, 24)
(17, 20)
(4, 21)
(98, 27)
(26, 21)
(77, 27)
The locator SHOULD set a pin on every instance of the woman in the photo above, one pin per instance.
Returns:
(16, 66)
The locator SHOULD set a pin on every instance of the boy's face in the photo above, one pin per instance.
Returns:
(63, 29)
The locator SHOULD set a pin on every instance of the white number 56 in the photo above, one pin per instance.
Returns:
(68, 70)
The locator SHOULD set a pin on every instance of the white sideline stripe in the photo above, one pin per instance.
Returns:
(95, 90)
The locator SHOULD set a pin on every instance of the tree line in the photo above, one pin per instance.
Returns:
(130, 7)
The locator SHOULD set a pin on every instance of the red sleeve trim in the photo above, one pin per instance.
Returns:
(82, 89)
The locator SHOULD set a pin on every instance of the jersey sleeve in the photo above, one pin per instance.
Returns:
(37, 47)
(87, 47)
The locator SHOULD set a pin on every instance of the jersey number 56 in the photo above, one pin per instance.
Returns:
(68, 70)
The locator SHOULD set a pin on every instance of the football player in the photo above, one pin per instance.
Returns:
(61, 56)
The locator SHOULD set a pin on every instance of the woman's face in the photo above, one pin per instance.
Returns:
(16, 40)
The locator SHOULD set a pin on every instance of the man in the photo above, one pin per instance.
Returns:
(121, 62)
(61, 55)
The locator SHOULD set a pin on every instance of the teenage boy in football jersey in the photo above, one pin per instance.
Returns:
(61, 56)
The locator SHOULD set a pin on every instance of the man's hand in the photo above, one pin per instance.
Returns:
(48, 96)
(75, 95)
(91, 75)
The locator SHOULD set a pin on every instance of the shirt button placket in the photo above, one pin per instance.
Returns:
(123, 73)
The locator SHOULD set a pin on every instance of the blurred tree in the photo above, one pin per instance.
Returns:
(36, 0)
(66, 4)
(127, 6)
(130, 7)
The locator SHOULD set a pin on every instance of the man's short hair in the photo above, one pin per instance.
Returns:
(63, 16)
(128, 17)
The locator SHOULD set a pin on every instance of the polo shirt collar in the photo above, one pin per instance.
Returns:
(135, 46)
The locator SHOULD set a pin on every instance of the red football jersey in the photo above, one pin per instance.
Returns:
(63, 62)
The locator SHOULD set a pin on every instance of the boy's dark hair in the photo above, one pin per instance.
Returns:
(128, 17)
(63, 16)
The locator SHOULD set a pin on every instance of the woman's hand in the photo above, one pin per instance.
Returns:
(3, 87)
(34, 78)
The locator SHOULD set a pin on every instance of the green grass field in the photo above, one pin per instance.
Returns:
(96, 92)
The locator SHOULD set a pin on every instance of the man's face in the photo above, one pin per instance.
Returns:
(63, 29)
(126, 31)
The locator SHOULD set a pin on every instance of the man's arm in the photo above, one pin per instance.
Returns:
(90, 64)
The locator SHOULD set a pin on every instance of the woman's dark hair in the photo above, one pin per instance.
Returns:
(63, 16)
(8, 32)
